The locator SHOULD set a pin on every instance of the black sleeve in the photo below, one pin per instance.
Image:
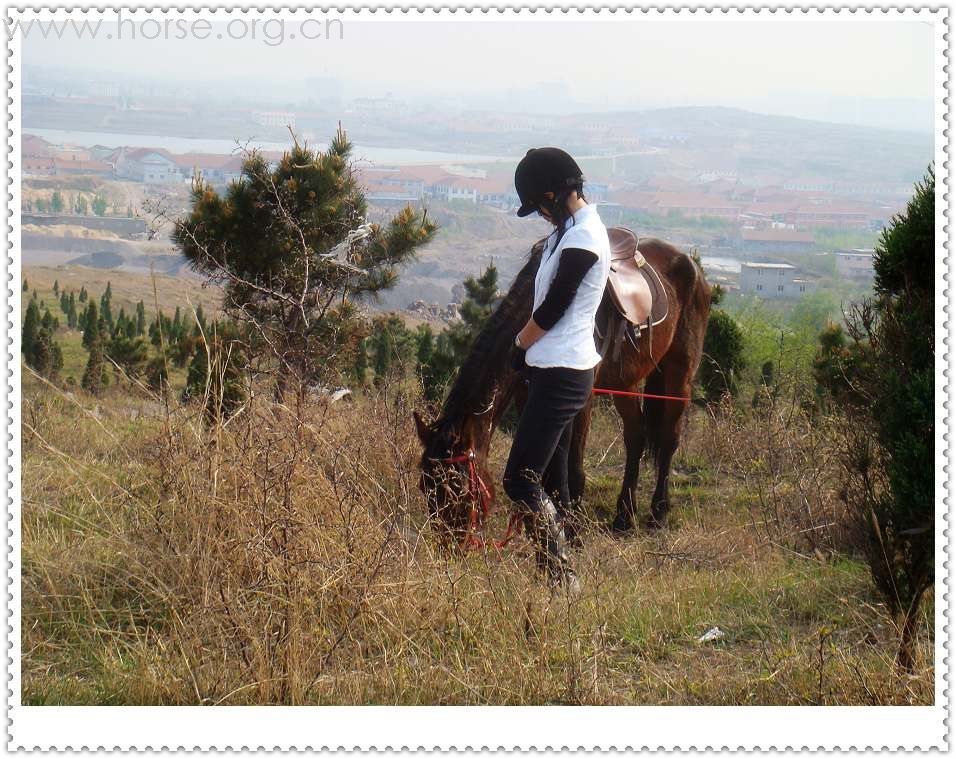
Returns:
(572, 267)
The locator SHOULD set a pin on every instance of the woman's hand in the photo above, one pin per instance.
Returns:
(517, 359)
(530, 334)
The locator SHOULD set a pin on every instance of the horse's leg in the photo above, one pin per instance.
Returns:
(665, 425)
(634, 440)
(579, 439)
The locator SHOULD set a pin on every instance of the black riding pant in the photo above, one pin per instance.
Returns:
(555, 396)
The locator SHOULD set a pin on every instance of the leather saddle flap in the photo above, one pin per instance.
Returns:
(635, 288)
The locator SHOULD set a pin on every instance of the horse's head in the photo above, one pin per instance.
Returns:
(452, 478)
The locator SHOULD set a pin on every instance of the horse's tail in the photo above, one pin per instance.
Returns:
(654, 412)
(692, 325)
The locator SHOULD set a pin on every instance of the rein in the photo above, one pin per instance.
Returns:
(481, 499)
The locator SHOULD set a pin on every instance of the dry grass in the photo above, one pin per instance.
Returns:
(286, 558)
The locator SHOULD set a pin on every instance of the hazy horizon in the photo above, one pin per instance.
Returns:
(863, 71)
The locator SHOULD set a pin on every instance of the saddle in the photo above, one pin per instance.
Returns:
(635, 300)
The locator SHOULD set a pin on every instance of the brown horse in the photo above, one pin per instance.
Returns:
(486, 385)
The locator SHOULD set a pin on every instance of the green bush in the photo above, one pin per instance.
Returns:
(890, 441)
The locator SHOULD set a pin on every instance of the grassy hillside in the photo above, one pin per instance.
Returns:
(128, 289)
(287, 558)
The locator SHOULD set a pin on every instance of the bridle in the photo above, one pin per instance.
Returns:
(480, 496)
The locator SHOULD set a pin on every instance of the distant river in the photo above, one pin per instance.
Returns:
(225, 147)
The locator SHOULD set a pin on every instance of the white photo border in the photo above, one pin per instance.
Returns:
(354, 728)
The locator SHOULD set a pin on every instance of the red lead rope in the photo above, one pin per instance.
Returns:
(481, 495)
(603, 391)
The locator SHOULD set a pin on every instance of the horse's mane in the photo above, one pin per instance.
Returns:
(488, 358)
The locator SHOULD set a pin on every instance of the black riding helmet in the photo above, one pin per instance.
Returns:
(545, 170)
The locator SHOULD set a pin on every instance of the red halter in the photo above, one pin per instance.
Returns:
(481, 498)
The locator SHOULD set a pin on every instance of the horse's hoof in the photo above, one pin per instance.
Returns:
(622, 526)
(655, 524)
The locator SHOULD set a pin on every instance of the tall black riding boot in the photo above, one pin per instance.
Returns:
(551, 549)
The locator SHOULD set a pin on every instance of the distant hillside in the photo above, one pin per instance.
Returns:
(469, 238)
(755, 143)
(128, 287)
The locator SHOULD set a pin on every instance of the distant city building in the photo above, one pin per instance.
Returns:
(105, 89)
(855, 264)
(37, 166)
(217, 170)
(596, 192)
(773, 280)
(96, 168)
(146, 165)
(274, 118)
(706, 177)
(70, 152)
(827, 216)
(774, 241)
(695, 205)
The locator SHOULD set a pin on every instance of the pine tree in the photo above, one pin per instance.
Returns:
(723, 357)
(26, 287)
(215, 373)
(140, 318)
(56, 363)
(427, 368)
(383, 356)
(130, 354)
(90, 325)
(95, 374)
(106, 313)
(157, 374)
(301, 227)
(71, 317)
(40, 356)
(45, 356)
(481, 295)
(120, 325)
(56, 287)
(64, 302)
(453, 344)
(890, 441)
(31, 326)
(183, 348)
(83, 294)
(360, 369)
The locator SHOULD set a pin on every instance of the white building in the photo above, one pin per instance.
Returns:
(772, 280)
(274, 118)
(855, 264)
(146, 165)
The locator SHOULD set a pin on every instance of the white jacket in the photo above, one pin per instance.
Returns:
(570, 342)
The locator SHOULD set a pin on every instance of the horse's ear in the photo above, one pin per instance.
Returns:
(424, 429)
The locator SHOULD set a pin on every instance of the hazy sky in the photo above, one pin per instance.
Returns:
(771, 64)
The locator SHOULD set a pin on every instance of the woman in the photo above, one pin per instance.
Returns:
(556, 348)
